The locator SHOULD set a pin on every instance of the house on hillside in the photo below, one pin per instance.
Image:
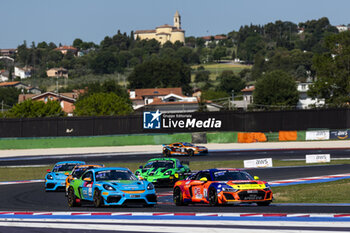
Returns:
(213, 39)
(23, 73)
(65, 49)
(166, 100)
(67, 100)
(57, 72)
(305, 101)
(21, 86)
(164, 33)
(4, 75)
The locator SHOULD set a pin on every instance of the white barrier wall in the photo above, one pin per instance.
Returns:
(266, 162)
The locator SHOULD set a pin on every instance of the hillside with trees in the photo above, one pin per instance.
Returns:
(308, 51)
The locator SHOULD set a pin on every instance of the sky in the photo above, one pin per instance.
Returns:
(62, 21)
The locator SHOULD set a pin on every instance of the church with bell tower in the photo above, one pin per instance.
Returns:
(165, 32)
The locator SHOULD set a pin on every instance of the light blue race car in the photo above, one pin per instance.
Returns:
(111, 186)
(55, 179)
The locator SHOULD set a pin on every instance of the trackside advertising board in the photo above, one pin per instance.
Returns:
(339, 134)
(317, 135)
(321, 158)
(253, 163)
(180, 121)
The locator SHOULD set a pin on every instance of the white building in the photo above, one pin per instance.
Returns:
(23, 73)
(304, 100)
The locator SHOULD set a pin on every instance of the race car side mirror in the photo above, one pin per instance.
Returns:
(204, 179)
(67, 173)
(87, 179)
(48, 170)
(256, 178)
(141, 167)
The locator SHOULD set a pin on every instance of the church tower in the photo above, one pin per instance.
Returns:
(177, 20)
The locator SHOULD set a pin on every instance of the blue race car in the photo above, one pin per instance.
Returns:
(111, 186)
(55, 179)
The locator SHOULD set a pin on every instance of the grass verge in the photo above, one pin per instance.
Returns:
(329, 192)
(29, 173)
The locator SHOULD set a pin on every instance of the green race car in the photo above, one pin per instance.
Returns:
(163, 171)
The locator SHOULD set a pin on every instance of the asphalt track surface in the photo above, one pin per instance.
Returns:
(32, 197)
(220, 155)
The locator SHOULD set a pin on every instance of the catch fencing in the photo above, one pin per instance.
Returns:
(264, 121)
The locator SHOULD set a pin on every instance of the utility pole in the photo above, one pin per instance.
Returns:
(233, 98)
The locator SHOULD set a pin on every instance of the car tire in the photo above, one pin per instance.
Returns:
(212, 197)
(97, 198)
(264, 203)
(190, 153)
(177, 197)
(72, 198)
(166, 153)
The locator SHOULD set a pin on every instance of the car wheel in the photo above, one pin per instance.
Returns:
(177, 197)
(190, 152)
(213, 197)
(98, 200)
(72, 198)
(264, 203)
(166, 153)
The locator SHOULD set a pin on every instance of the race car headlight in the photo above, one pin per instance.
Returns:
(232, 190)
(108, 187)
(168, 173)
(49, 177)
(150, 186)
(267, 187)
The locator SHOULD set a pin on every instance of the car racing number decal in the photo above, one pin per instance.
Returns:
(197, 192)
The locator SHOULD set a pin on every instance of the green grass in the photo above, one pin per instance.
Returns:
(29, 173)
(329, 192)
(217, 68)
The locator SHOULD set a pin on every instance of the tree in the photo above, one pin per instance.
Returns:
(333, 71)
(161, 73)
(103, 104)
(219, 52)
(229, 82)
(276, 89)
(30, 108)
(9, 95)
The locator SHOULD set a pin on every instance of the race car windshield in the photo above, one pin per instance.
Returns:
(79, 171)
(231, 175)
(160, 164)
(63, 167)
(114, 175)
(188, 144)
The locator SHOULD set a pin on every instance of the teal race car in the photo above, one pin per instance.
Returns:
(163, 171)
(111, 186)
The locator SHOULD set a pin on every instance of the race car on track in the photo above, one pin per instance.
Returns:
(111, 186)
(163, 171)
(183, 148)
(55, 179)
(222, 186)
(77, 171)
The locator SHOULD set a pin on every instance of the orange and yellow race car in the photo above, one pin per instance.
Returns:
(183, 148)
(78, 171)
(222, 186)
